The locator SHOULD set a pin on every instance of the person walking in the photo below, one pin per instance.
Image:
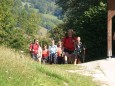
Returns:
(68, 43)
(60, 57)
(53, 53)
(45, 54)
(35, 50)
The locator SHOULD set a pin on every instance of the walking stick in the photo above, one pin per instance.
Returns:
(84, 54)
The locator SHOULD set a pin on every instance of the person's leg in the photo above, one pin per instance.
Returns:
(72, 58)
(55, 58)
(50, 59)
(65, 53)
(35, 57)
(39, 60)
(63, 60)
(31, 54)
(59, 60)
(45, 60)
(78, 60)
(75, 60)
(69, 59)
(66, 57)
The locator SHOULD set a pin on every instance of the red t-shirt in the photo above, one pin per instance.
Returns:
(45, 53)
(35, 48)
(68, 43)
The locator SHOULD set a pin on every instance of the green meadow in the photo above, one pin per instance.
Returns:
(18, 69)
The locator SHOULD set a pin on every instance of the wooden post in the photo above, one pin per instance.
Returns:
(111, 13)
(109, 38)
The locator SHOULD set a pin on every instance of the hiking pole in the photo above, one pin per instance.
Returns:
(83, 55)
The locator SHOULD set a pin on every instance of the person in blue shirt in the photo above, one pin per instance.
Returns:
(53, 53)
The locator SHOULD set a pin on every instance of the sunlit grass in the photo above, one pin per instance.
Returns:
(19, 70)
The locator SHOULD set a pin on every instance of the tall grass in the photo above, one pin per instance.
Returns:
(17, 69)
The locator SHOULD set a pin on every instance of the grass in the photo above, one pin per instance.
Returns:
(17, 71)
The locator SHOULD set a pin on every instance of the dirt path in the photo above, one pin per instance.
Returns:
(100, 70)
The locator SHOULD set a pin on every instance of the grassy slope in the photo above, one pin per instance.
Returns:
(43, 31)
(17, 71)
(50, 20)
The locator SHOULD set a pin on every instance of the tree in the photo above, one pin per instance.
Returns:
(18, 23)
(88, 19)
(92, 28)
(7, 21)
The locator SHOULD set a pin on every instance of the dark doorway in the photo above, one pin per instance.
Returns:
(113, 41)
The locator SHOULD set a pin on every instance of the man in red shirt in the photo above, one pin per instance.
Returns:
(34, 49)
(69, 46)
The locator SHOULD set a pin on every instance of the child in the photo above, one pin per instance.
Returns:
(45, 54)
(59, 53)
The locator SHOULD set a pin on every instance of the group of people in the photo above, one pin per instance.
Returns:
(69, 50)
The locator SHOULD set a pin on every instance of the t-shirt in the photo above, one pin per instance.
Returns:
(31, 47)
(35, 48)
(45, 53)
(53, 49)
(68, 43)
(59, 51)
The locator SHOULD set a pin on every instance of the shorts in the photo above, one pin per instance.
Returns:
(69, 51)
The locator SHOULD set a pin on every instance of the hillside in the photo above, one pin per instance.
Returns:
(49, 21)
(50, 12)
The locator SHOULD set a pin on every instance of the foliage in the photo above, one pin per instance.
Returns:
(88, 19)
(92, 28)
(58, 32)
(73, 9)
(46, 6)
(50, 13)
(18, 24)
(49, 21)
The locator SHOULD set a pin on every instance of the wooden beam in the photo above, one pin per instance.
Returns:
(109, 38)
(111, 13)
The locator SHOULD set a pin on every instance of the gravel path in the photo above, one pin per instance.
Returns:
(100, 70)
